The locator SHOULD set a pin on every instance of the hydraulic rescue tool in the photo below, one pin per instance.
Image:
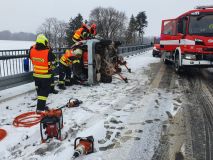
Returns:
(74, 103)
(83, 145)
(120, 61)
(3, 134)
(111, 69)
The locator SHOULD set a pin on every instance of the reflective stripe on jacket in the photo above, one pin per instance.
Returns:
(80, 34)
(68, 58)
(40, 62)
(85, 59)
(65, 58)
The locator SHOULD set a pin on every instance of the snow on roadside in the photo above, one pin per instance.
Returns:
(15, 91)
(124, 118)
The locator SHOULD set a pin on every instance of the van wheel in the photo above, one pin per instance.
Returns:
(106, 78)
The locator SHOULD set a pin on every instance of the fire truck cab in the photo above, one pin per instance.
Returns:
(188, 39)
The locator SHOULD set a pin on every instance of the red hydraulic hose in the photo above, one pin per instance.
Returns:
(28, 119)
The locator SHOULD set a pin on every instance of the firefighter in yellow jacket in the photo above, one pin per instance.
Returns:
(71, 57)
(42, 59)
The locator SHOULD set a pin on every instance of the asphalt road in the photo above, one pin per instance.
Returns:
(190, 135)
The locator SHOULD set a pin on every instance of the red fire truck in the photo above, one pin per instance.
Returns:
(188, 39)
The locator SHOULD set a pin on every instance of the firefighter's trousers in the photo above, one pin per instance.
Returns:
(52, 82)
(64, 71)
(43, 88)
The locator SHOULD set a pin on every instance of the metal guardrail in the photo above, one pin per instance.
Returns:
(132, 48)
(13, 73)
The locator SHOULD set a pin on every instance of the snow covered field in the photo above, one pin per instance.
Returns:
(12, 66)
(124, 118)
(10, 45)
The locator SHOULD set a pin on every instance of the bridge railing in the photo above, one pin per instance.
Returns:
(16, 68)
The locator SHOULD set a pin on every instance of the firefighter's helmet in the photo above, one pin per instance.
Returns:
(78, 52)
(93, 26)
(41, 38)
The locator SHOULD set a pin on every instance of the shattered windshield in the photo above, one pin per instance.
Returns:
(201, 25)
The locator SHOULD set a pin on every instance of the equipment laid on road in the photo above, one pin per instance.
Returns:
(73, 103)
(51, 124)
(3, 134)
(187, 40)
(30, 119)
(85, 146)
(27, 119)
(52, 121)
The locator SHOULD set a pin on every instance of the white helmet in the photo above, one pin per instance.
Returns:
(78, 52)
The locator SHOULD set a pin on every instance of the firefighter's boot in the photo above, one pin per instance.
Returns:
(68, 82)
(61, 86)
(54, 91)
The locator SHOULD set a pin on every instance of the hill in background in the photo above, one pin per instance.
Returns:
(20, 36)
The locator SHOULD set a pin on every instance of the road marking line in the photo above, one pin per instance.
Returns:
(155, 83)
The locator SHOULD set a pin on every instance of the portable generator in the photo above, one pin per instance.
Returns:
(51, 125)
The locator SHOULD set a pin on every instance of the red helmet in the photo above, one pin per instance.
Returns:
(93, 29)
(93, 26)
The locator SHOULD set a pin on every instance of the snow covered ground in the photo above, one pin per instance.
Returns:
(124, 118)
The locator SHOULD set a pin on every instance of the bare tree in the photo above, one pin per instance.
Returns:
(55, 31)
(110, 22)
(62, 34)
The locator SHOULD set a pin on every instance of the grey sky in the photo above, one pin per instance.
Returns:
(27, 15)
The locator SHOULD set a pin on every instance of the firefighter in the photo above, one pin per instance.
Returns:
(81, 34)
(54, 65)
(42, 58)
(92, 31)
(71, 57)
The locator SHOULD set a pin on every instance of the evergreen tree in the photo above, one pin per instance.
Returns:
(130, 33)
(141, 23)
(74, 24)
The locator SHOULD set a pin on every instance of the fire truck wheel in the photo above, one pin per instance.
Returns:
(166, 61)
(106, 78)
(176, 64)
